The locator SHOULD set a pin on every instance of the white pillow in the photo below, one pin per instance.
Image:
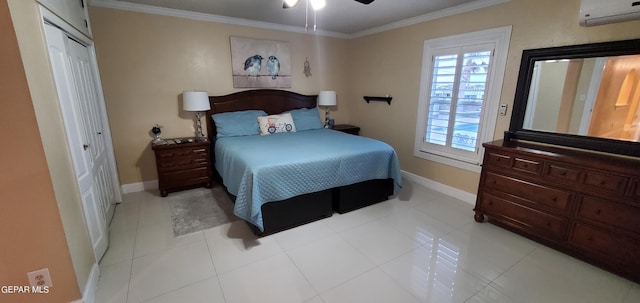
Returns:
(276, 124)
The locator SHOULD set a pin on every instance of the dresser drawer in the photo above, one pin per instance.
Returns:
(605, 182)
(613, 247)
(610, 213)
(536, 194)
(544, 224)
(497, 159)
(564, 173)
(527, 165)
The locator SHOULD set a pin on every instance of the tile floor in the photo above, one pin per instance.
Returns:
(422, 246)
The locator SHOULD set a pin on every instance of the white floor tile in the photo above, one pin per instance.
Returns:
(448, 210)
(157, 237)
(165, 271)
(379, 242)
(371, 287)
(205, 291)
(490, 294)
(233, 245)
(274, 279)
(550, 276)
(329, 262)
(419, 226)
(485, 259)
(431, 275)
(633, 296)
(125, 217)
(303, 235)
(120, 247)
(113, 285)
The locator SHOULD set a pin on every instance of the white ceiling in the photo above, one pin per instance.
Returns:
(339, 17)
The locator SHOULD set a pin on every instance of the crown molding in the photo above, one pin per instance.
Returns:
(170, 12)
(141, 8)
(458, 9)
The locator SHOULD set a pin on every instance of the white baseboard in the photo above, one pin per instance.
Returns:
(89, 292)
(428, 183)
(140, 186)
(443, 188)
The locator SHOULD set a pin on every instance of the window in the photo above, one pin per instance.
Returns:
(459, 95)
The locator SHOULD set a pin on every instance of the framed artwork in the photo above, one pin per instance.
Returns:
(260, 63)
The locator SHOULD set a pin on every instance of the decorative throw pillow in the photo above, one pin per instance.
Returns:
(240, 123)
(276, 124)
(306, 118)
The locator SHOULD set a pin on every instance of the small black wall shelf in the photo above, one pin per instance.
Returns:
(384, 99)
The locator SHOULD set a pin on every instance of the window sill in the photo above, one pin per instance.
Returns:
(473, 167)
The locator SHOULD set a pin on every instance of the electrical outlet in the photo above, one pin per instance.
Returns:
(40, 277)
(503, 110)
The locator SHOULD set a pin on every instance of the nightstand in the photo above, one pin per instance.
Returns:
(346, 128)
(182, 165)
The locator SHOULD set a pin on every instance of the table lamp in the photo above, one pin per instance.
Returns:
(196, 101)
(326, 98)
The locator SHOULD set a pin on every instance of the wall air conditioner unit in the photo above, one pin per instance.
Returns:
(598, 12)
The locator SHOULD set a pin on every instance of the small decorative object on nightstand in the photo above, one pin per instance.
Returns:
(346, 128)
(182, 163)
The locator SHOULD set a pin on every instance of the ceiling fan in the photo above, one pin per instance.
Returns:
(317, 4)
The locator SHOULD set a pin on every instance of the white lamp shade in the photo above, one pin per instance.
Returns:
(327, 98)
(195, 101)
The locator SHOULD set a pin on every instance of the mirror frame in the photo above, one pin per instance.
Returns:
(529, 57)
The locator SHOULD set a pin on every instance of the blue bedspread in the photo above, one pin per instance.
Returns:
(260, 169)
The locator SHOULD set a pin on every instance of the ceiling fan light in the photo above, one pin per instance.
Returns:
(318, 4)
(289, 3)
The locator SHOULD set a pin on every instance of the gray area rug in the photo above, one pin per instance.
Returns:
(199, 209)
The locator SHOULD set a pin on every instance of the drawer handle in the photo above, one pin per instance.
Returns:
(554, 199)
(525, 165)
(548, 224)
(563, 173)
(603, 182)
(597, 211)
(589, 238)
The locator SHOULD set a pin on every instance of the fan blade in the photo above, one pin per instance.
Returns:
(365, 1)
(289, 3)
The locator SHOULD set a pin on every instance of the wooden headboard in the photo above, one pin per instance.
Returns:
(271, 101)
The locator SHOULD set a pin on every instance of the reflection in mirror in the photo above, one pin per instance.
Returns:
(595, 97)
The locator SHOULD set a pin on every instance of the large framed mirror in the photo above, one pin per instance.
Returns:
(584, 96)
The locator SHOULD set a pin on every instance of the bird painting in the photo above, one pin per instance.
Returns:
(273, 66)
(253, 65)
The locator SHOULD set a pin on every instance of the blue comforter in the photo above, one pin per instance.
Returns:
(260, 169)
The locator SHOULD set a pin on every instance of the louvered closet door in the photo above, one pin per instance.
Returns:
(84, 127)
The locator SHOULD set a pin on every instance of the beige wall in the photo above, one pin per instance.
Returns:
(32, 233)
(390, 62)
(28, 29)
(147, 60)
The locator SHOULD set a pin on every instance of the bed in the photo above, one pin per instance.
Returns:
(283, 180)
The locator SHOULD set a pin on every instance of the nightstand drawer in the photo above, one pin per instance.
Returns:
(182, 163)
(186, 177)
(179, 153)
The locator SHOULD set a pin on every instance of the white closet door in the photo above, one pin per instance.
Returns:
(83, 124)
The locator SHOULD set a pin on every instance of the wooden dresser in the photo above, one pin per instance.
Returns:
(582, 203)
(182, 166)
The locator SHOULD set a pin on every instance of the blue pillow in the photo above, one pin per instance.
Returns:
(240, 123)
(306, 118)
